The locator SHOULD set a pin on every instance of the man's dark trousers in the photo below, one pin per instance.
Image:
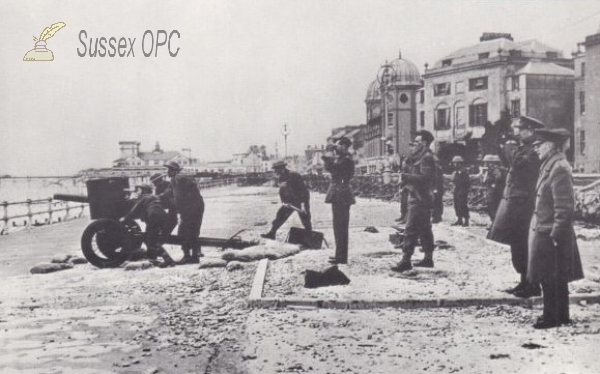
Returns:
(418, 227)
(284, 213)
(341, 221)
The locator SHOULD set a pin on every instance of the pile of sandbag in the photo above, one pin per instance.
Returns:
(271, 249)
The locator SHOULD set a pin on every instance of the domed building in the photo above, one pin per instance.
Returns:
(391, 109)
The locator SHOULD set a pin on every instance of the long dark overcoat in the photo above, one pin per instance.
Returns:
(552, 242)
(515, 209)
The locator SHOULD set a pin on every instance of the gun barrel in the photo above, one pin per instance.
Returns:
(74, 198)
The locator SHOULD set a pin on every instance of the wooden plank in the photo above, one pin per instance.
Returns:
(410, 303)
(259, 280)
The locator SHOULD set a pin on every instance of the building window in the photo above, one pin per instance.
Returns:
(459, 87)
(478, 114)
(515, 82)
(422, 97)
(582, 102)
(447, 62)
(514, 53)
(478, 84)
(441, 89)
(403, 98)
(583, 69)
(442, 118)
(515, 108)
(422, 118)
(390, 119)
(483, 56)
(582, 142)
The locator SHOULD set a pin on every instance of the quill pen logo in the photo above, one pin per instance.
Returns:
(40, 52)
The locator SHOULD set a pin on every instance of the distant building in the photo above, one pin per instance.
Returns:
(313, 157)
(471, 87)
(587, 106)
(391, 104)
(132, 158)
(254, 160)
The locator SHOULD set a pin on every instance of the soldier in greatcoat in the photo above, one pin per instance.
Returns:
(462, 184)
(190, 208)
(419, 178)
(514, 213)
(553, 254)
(338, 161)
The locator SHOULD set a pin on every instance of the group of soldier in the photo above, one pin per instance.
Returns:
(531, 208)
(530, 201)
(176, 202)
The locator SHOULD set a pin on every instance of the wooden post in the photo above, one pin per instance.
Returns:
(5, 218)
(49, 210)
(29, 214)
(66, 218)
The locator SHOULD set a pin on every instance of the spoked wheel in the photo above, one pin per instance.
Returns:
(108, 243)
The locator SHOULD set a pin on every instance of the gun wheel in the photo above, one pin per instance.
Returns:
(106, 243)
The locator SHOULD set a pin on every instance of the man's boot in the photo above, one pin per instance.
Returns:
(458, 222)
(167, 261)
(426, 262)
(466, 222)
(403, 265)
(186, 257)
(269, 235)
(519, 287)
(195, 258)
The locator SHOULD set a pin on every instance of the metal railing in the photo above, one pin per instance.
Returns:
(48, 211)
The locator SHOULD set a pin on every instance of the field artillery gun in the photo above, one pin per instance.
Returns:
(106, 242)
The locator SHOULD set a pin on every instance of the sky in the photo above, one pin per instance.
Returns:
(243, 70)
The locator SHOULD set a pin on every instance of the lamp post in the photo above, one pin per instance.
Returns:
(285, 133)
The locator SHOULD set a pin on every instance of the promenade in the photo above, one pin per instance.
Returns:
(190, 320)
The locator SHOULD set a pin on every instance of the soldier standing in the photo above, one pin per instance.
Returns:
(419, 179)
(494, 180)
(438, 193)
(294, 196)
(514, 213)
(338, 161)
(462, 184)
(190, 207)
(553, 254)
(163, 190)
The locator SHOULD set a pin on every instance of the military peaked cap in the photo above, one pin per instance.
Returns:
(527, 122)
(551, 135)
(279, 164)
(173, 165)
(345, 141)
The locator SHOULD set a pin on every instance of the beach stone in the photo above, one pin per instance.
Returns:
(78, 260)
(141, 265)
(61, 259)
(234, 265)
(49, 268)
(212, 263)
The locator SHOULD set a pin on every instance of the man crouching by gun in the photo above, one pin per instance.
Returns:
(418, 178)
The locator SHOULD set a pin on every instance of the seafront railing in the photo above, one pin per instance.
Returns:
(29, 213)
(19, 215)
